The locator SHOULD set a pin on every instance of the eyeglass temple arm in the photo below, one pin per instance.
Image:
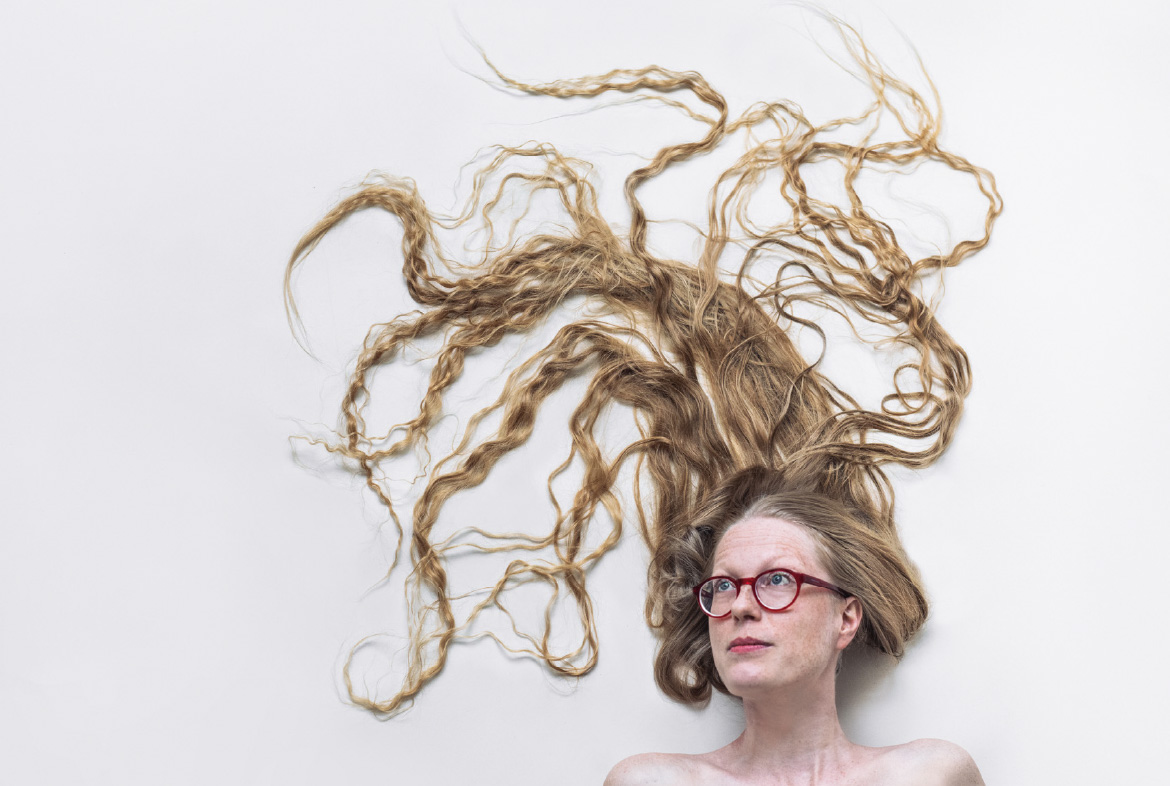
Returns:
(826, 585)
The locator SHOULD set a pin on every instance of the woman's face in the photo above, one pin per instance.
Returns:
(755, 649)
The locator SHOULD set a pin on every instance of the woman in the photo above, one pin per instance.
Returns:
(761, 597)
(702, 351)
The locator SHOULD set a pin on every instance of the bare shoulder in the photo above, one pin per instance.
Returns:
(931, 763)
(651, 768)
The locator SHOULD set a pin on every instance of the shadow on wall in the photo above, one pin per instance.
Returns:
(864, 671)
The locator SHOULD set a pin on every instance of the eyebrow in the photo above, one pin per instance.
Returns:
(771, 565)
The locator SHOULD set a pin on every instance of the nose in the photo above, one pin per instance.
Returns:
(745, 606)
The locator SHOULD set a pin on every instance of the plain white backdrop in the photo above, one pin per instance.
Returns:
(177, 592)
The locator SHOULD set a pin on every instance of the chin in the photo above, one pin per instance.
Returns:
(740, 680)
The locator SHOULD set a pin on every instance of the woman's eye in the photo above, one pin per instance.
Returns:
(779, 579)
(722, 585)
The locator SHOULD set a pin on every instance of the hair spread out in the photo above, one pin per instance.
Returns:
(702, 351)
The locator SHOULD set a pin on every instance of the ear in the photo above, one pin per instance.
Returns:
(850, 622)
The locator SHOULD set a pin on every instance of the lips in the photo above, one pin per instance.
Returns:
(747, 644)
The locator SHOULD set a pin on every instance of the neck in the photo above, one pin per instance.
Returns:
(792, 734)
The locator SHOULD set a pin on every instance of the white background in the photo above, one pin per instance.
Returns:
(177, 592)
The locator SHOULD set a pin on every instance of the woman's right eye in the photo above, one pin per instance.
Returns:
(722, 585)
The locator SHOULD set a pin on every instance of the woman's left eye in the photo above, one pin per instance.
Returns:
(777, 579)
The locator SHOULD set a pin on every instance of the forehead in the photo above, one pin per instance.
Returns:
(763, 542)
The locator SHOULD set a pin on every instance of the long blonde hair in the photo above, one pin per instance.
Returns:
(699, 349)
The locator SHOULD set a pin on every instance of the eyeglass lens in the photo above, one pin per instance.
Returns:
(774, 590)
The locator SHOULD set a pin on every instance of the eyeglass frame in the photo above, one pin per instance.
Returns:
(801, 580)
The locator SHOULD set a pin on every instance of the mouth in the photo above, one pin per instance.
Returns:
(747, 644)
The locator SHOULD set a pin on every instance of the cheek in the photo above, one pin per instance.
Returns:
(719, 644)
(713, 634)
(720, 634)
(817, 640)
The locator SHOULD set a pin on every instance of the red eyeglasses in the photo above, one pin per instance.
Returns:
(775, 590)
